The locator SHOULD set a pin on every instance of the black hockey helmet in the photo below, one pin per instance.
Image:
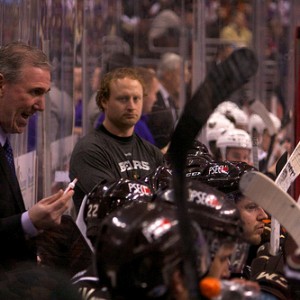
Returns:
(107, 197)
(139, 248)
(223, 175)
(196, 166)
(218, 218)
(198, 149)
(160, 179)
(210, 209)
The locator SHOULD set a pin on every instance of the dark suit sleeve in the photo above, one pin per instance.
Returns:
(14, 244)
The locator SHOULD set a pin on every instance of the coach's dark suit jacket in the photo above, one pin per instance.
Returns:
(14, 247)
(161, 121)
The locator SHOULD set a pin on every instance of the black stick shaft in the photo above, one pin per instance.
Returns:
(223, 80)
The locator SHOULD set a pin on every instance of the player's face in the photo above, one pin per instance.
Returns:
(124, 107)
(252, 217)
(19, 101)
(219, 267)
(239, 154)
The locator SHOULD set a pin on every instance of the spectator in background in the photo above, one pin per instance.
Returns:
(279, 24)
(78, 99)
(151, 87)
(237, 30)
(165, 110)
(61, 113)
(165, 28)
(212, 18)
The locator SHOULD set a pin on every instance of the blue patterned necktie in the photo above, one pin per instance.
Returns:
(9, 155)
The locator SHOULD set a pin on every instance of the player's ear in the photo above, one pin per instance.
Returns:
(103, 104)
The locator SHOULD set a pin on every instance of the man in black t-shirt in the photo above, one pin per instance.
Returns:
(113, 150)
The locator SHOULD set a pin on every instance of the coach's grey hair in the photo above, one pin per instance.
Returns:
(14, 56)
(168, 62)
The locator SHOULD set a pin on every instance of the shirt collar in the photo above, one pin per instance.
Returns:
(163, 91)
(3, 136)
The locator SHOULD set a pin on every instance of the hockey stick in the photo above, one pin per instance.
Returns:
(275, 225)
(285, 178)
(281, 162)
(258, 108)
(223, 80)
(274, 200)
(254, 136)
(290, 171)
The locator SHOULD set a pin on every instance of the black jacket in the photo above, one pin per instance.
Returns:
(15, 247)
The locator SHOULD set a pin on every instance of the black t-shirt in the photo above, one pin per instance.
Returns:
(100, 156)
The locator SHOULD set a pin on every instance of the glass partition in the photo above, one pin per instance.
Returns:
(84, 39)
(59, 36)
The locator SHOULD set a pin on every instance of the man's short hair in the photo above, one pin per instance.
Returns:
(15, 55)
(120, 73)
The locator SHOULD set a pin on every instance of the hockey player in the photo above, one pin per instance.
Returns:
(138, 252)
(260, 266)
(216, 125)
(104, 199)
(218, 219)
(138, 255)
(233, 113)
(235, 145)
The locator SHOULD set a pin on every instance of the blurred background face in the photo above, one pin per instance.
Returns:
(95, 79)
(238, 154)
(150, 99)
(240, 20)
(266, 139)
(220, 266)
(172, 80)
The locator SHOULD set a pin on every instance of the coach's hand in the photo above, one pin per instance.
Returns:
(48, 211)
